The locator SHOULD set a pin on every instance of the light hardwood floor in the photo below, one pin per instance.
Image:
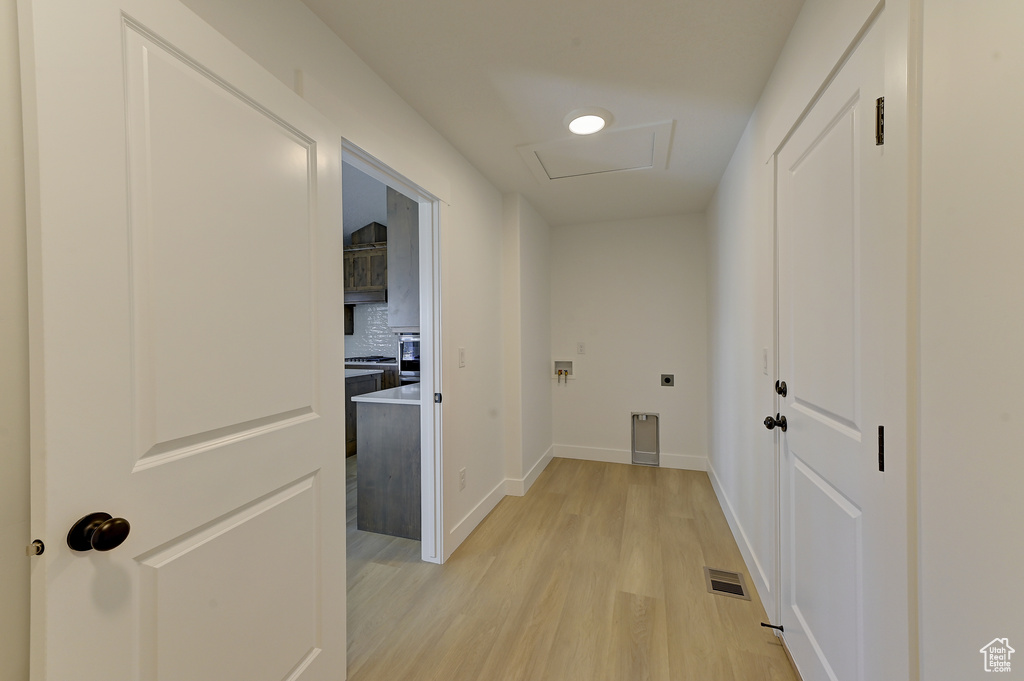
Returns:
(596, 575)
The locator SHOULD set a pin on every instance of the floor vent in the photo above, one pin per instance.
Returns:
(726, 583)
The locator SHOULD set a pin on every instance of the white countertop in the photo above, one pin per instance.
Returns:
(403, 394)
(371, 364)
(351, 373)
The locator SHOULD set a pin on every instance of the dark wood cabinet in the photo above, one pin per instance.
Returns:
(366, 265)
(366, 274)
(356, 385)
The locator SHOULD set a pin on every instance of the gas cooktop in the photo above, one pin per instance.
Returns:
(374, 359)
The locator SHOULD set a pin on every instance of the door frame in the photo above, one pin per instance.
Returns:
(431, 460)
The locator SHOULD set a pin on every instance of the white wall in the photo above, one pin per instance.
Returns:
(741, 328)
(972, 335)
(14, 459)
(635, 293)
(526, 337)
(535, 303)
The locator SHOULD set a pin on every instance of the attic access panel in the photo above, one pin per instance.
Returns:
(640, 148)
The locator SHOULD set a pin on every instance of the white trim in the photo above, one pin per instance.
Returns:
(465, 527)
(686, 462)
(432, 457)
(761, 581)
(518, 487)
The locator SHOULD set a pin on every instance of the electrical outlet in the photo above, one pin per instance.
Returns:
(462, 357)
(581, 348)
(462, 478)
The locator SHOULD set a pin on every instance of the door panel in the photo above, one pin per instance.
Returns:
(826, 532)
(822, 254)
(832, 357)
(187, 374)
(194, 586)
(221, 285)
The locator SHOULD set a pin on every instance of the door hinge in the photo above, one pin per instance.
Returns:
(437, 398)
(881, 449)
(880, 121)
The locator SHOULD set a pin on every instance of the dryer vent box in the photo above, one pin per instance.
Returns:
(646, 441)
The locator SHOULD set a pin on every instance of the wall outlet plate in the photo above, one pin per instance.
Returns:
(668, 379)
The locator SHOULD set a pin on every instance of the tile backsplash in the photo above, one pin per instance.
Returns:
(371, 334)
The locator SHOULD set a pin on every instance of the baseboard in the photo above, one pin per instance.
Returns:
(687, 462)
(519, 487)
(464, 527)
(749, 557)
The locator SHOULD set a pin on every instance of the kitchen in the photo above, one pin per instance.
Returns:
(382, 354)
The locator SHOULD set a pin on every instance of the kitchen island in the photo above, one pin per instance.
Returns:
(388, 461)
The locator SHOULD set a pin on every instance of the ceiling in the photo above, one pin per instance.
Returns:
(497, 79)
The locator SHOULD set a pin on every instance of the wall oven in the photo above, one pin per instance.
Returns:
(409, 358)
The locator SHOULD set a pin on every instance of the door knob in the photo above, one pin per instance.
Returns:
(780, 388)
(99, 531)
(779, 421)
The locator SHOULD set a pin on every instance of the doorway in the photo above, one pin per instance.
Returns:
(428, 213)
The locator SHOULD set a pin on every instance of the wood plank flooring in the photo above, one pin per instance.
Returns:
(595, 575)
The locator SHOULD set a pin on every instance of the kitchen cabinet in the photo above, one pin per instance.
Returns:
(350, 321)
(356, 385)
(403, 262)
(366, 265)
(390, 378)
(388, 463)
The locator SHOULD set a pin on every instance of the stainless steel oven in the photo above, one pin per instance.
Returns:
(409, 358)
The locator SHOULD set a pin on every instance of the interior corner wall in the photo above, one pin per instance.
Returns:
(971, 334)
(14, 419)
(741, 453)
(634, 293)
(511, 340)
(290, 42)
(526, 339)
(535, 347)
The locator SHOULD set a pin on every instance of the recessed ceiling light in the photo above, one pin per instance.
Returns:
(586, 125)
(587, 121)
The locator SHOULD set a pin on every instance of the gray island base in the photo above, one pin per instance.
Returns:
(388, 462)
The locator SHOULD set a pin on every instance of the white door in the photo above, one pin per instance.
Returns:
(186, 303)
(839, 286)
